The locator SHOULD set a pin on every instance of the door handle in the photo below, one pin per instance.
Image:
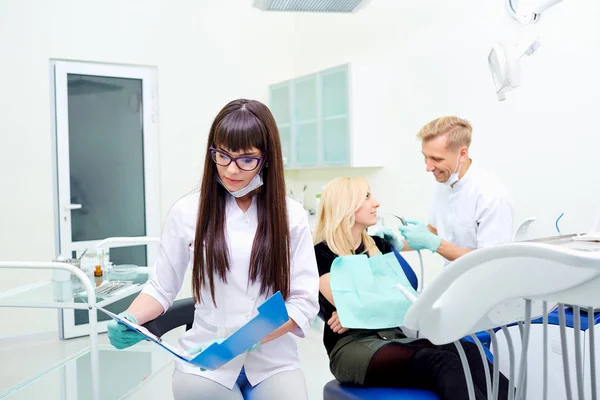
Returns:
(72, 207)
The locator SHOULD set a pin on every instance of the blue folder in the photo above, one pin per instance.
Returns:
(271, 315)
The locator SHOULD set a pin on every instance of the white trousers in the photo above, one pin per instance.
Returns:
(195, 387)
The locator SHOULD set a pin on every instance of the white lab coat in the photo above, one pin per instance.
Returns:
(477, 212)
(237, 300)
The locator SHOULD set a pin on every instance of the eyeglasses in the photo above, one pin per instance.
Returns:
(245, 163)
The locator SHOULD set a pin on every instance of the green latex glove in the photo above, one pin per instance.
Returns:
(197, 349)
(122, 337)
(255, 346)
(419, 237)
(391, 237)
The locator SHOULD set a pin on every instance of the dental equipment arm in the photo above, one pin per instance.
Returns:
(504, 60)
(528, 11)
(409, 296)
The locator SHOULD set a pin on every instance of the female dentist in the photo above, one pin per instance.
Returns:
(245, 241)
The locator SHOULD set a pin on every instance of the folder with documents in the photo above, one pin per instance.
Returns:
(271, 315)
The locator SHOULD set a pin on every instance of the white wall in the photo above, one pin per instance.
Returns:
(542, 141)
(207, 52)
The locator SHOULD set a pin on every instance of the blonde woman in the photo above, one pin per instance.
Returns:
(362, 357)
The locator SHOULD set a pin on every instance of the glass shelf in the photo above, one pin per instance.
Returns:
(122, 372)
(71, 293)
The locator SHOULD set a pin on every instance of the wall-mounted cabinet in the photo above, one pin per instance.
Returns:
(328, 119)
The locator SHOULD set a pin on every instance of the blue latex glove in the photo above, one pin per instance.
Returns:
(122, 337)
(391, 237)
(419, 237)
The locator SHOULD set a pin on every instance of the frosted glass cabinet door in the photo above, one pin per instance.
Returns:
(285, 136)
(312, 114)
(335, 131)
(305, 113)
(280, 105)
(336, 142)
(334, 92)
(307, 142)
(305, 99)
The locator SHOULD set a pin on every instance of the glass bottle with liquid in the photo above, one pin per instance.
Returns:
(98, 273)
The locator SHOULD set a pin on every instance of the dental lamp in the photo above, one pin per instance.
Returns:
(504, 60)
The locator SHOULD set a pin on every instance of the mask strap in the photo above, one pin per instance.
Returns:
(457, 168)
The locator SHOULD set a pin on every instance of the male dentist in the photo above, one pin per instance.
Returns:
(471, 208)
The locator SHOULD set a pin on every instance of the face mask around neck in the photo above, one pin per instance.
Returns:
(454, 176)
(254, 184)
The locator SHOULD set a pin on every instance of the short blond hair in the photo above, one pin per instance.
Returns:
(457, 130)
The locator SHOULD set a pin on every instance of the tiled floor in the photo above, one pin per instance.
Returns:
(23, 358)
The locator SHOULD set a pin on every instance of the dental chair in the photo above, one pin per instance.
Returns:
(333, 390)
(483, 337)
(528, 279)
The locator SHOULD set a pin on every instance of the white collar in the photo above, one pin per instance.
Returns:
(231, 203)
(463, 181)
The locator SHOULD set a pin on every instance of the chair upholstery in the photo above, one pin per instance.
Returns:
(333, 390)
(179, 314)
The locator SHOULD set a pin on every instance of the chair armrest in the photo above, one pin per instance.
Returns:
(180, 313)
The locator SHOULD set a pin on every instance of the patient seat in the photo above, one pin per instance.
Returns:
(333, 390)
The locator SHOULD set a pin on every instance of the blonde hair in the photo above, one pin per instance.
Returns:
(336, 216)
(457, 130)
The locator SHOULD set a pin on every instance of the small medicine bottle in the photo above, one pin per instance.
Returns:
(98, 271)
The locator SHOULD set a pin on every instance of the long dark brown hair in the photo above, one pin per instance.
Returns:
(241, 125)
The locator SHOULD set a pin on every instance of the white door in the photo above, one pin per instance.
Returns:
(106, 157)
(106, 179)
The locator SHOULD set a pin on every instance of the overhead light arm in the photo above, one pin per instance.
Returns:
(528, 11)
(504, 60)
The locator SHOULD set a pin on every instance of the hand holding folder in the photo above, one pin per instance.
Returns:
(272, 314)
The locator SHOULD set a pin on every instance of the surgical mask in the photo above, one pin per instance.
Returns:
(454, 176)
(254, 184)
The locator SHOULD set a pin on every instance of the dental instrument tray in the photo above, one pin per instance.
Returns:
(109, 288)
(588, 237)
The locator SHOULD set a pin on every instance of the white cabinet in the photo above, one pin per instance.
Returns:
(329, 118)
